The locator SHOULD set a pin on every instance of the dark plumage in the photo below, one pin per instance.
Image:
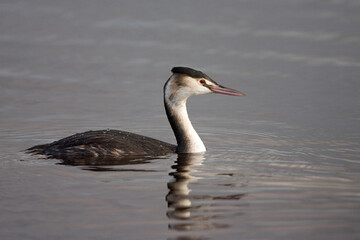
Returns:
(102, 143)
(190, 72)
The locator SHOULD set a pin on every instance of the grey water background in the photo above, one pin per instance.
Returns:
(282, 162)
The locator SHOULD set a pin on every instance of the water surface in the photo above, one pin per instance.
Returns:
(282, 162)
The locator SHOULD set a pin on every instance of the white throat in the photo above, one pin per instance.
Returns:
(188, 140)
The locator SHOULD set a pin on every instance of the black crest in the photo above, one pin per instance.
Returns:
(189, 71)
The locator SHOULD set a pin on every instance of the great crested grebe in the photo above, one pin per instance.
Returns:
(183, 83)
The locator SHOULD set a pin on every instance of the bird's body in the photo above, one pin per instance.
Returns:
(183, 83)
(104, 143)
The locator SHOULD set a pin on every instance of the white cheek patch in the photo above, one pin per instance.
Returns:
(183, 93)
(189, 87)
(178, 97)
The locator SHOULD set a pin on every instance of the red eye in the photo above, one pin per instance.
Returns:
(202, 81)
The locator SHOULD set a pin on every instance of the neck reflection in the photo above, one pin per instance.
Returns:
(189, 211)
(178, 198)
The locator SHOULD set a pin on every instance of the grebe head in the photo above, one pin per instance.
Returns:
(186, 82)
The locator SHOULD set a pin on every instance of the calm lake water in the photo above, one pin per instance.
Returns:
(282, 162)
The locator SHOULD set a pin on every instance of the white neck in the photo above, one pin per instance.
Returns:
(188, 140)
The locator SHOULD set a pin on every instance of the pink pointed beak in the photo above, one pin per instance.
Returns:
(225, 90)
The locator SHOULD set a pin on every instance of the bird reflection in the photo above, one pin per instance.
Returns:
(191, 211)
(178, 198)
(108, 164)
